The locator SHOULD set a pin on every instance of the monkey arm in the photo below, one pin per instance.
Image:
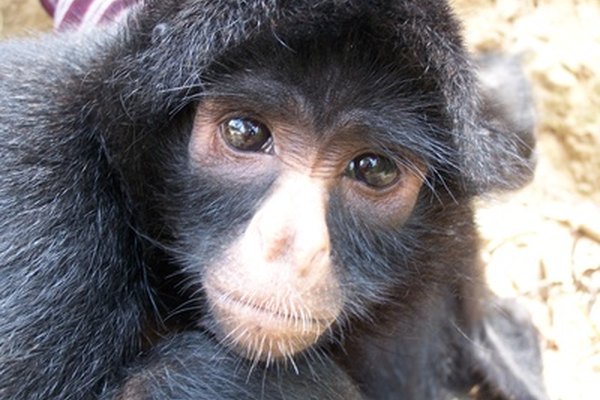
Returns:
(69, 302)
(171, 371)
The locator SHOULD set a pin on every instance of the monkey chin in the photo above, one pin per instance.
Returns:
(261, 332)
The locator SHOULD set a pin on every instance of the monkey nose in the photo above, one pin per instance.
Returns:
(291, 227)
(303, 250)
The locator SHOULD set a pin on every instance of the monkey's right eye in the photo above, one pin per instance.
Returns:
(246, 134)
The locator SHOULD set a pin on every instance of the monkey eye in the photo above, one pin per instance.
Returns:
(246, 134)
(373, 169)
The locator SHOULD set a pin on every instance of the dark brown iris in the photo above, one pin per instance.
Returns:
(373, 169)
(245, 134)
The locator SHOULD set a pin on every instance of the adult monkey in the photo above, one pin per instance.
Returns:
(265, 199)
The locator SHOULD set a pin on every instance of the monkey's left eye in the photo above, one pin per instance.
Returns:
(374, 170)
(246, 134)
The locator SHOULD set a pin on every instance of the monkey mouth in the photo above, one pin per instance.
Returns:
(261, 310)
(237, 303)
(256, 331)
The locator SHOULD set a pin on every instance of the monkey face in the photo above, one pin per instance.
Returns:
(276, 288)
(305, 168)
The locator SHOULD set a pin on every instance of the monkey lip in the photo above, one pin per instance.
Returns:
(235, 303)
(259, 332)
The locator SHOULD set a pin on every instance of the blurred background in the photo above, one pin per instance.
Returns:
(542, 244)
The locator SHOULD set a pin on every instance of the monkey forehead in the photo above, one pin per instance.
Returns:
(422, 31)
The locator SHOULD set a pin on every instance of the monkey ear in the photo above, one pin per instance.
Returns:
(497, 149)
(506, 356)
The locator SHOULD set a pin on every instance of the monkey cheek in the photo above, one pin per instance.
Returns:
(257, 332)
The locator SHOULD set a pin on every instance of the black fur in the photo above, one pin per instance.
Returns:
(104, 224)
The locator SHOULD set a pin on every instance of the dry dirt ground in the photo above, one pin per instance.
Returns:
(542, 245)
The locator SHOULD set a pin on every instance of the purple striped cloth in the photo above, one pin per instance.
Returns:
(77, 14)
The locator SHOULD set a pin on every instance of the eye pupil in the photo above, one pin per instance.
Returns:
(373, 169)
(245, 134)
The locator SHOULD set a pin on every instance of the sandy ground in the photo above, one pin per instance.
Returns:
(542, 244)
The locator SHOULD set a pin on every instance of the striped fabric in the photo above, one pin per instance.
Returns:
(77, 14)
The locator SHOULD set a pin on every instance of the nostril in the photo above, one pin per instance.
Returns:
(320, 256)
(276, 245)
(313, 264)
